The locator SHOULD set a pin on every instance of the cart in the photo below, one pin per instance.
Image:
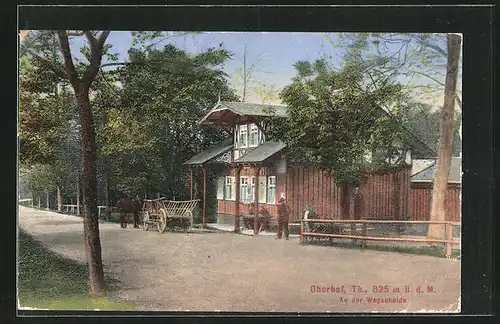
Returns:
(168, 214)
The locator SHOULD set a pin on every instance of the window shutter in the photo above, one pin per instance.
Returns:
(262, 189)
(233, 188)
(220, 187)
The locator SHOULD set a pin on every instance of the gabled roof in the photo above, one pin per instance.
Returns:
(427, 174)
(418, 165)
(226, 110)
(261, 153)
(210, 153)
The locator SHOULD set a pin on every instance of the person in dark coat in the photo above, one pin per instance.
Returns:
(137, 210)
(283, 217)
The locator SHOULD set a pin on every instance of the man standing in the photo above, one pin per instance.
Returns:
(283, 216)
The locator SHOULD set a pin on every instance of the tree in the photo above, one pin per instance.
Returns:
(423, 121)
(438, 211)
(334, 120)
(151, 126)
(81, 76)
(244, 78)
(46, 115)
(417, 58)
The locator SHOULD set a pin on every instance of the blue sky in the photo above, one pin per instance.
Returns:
(272, 53)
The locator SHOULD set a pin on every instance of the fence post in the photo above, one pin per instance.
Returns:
(301, 230)
(363, 244)
(449, 237)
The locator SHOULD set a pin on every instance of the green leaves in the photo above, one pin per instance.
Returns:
(147, 128)
(334, 120)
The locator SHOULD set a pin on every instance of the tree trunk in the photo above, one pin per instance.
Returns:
(78, 195)
(352, 210)
(347, 205)
(397, 200)
(47, 200)
(106, 196)
(438, 212)
(59, 199)
(344, 201)
(244, 75)
(39, 202)
(89, 186)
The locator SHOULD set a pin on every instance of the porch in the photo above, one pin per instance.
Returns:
(243, 183)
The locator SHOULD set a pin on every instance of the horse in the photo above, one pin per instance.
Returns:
(127, 206)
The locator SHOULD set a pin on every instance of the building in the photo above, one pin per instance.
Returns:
(255, 172)
(421, 190)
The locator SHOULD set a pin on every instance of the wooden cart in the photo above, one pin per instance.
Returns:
(168, 213)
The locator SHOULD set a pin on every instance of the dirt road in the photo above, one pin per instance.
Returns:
(231, 272)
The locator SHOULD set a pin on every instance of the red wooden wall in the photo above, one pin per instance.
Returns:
(310, 186)
(304, 186)
(421, 194)
(229, 207)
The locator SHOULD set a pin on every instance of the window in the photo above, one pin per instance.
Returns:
(254, 136)
(243, 138)
(251, 194)
(221, 183)
(271, 190)
(244, 193)
(229, 188)
(262, 189)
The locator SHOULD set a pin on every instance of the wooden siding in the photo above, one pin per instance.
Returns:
(310, 186)
(229, 206)
(305, 186)
(421, 195)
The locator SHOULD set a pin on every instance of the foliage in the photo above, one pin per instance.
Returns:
(417, 58)
(424, 122)
(335, 118)
(48, 131)
(149, 123)
(42, 113)
(38, 178)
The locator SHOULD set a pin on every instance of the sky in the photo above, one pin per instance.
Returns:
(272, 53)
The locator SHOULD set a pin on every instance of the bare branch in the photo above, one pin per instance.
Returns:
(96, 47)
(428, 76)
(75, 33)
(92, 41)
(434, 47)
(102, 38)
(56, 68)
(68, 60)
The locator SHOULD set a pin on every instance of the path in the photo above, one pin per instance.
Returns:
(231, 272)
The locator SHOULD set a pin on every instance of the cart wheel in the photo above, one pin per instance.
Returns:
(162, 222)
(309, 239)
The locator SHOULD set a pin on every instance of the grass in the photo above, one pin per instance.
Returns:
(49, 281)
(436, 251)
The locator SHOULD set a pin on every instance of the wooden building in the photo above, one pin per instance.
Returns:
(255, 172)
(421, 191)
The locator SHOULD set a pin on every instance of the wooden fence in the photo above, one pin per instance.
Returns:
(364, 237)
(384, 195)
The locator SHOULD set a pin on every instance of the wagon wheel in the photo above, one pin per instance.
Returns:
(145, 219)
(162, 221)
(309, 239)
